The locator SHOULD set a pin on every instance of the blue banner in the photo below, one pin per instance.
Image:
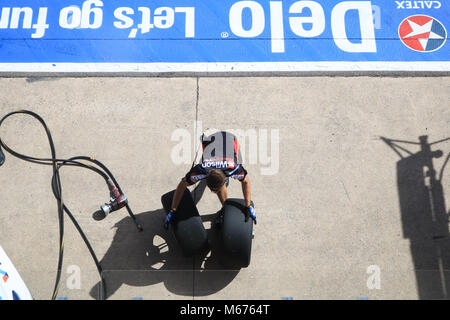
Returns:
(226, 32)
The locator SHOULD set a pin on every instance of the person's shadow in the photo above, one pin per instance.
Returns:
(154, 256)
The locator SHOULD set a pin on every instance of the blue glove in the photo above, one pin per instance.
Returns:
(168, 219)
(250, 213)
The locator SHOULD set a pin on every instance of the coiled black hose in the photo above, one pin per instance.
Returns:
(57, 191)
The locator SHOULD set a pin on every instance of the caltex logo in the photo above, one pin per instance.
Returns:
(422, 33)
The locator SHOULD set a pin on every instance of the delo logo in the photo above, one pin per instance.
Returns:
(422, 33)
(305, 19)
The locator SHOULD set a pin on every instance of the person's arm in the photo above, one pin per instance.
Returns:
(178, 194)
(246, 190)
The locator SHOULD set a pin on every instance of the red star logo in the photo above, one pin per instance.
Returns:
(416, 31)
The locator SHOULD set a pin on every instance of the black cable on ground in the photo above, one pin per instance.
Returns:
(57, 191)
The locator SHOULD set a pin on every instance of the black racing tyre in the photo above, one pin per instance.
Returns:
(191, 235)
(236, 235)
(187, 224)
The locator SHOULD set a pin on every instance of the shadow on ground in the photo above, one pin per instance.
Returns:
(425, 220)
(153, 256)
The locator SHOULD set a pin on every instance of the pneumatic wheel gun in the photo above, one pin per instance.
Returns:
(117, 200)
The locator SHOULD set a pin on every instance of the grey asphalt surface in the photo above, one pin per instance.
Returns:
(335, 221)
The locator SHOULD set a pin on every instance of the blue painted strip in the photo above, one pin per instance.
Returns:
(229, 31)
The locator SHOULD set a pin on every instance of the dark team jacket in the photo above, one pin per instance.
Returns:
(221, 151)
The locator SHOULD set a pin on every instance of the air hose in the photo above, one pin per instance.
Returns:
(56, 164)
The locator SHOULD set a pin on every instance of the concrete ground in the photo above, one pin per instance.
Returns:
(339, 215)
